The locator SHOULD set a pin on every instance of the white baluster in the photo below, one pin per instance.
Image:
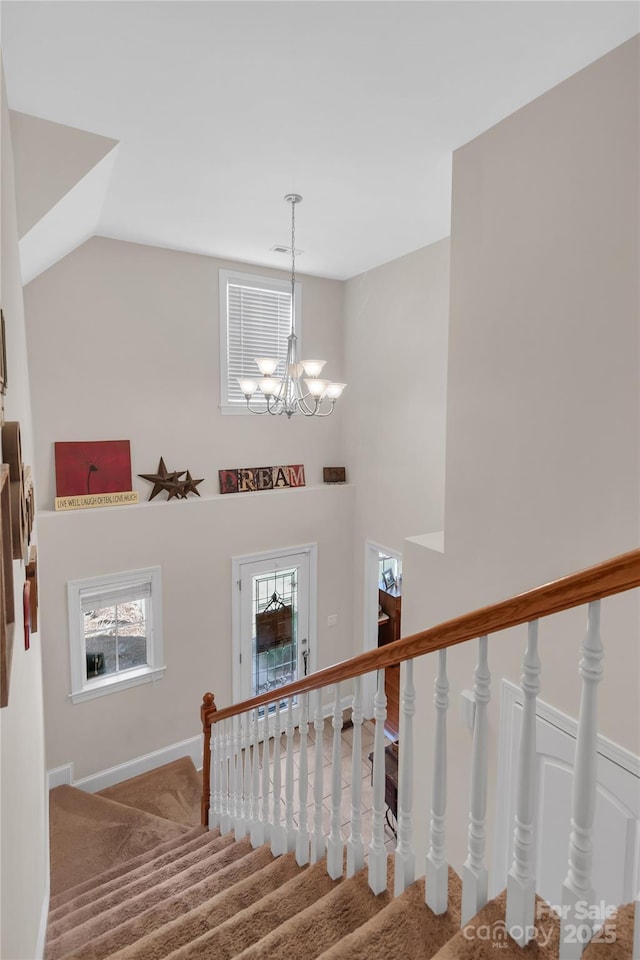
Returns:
(355, 843)
(225, 780)
(214, 780)
(318, 845)
(335, 846)
(232, 772)
(290, 830)
(474, 872)
(404, 864)
(578, 885)
(233, 776)
(238, 822)
(264, 816)
(436, 866)
(277, 831)
(302, 835)
(521, 882)
(377, 850)
(256, 833)
(246, 777)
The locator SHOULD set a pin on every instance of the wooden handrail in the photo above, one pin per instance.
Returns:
(602, 580)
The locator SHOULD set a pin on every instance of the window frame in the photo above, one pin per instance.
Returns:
(83, 689)
(277, 284)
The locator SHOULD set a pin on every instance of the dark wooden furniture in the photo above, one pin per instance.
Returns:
(390, 783)
(389, 630)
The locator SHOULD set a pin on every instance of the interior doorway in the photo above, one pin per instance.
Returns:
(383, 619)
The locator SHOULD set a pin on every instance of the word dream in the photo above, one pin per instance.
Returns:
(250, 479)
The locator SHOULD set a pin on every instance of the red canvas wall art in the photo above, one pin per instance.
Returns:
(90, 467)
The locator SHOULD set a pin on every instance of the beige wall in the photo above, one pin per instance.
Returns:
(124, 344)
(50, 159)
(542, 464)
(395, 328)
(23, 829)
(193, 542)
(133, 335)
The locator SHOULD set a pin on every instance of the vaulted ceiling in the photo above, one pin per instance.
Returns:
(221, 108)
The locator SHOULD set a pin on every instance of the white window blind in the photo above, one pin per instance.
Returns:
(255, 320)
(95, 600)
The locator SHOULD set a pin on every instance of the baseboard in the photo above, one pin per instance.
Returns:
(42, 930)
(44, 913)
(132, 768)
(60, 776)
(327, 709)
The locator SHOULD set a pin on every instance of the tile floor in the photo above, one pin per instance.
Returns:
(368, 729)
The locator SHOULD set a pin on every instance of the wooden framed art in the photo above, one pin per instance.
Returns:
(95, 473)
(334, 474)
(12, 456)
(3, 355)
(7, 611)
(32, 577)
(389, 579)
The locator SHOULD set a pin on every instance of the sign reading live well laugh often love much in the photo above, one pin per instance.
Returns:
(250, 479)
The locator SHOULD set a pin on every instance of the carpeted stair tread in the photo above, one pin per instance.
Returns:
(263, 910)
(187, 868)
(259, 903)
(103, 935)
(313, 930)
(60, 904)
(172, 791)
(485, 936)
(423, 933)
(619, 930)
(89, 834)
(134, 877)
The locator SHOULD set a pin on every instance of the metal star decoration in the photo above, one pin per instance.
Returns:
(189, 485)
(170, 481)
(163, 480)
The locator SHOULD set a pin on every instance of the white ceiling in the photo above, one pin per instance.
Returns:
(223, 107)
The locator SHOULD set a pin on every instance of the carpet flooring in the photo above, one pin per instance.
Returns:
(134, 877)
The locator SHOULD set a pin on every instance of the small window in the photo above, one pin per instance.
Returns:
(255, 321)
(115, 631)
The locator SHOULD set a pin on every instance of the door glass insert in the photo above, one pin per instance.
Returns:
(275, 633)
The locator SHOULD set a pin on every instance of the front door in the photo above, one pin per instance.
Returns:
(274, 644)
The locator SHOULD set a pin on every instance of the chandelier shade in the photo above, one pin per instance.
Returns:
(298, 389)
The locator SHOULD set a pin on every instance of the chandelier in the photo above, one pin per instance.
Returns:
(299, 389)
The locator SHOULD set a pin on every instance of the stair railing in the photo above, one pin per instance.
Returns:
(231, 778)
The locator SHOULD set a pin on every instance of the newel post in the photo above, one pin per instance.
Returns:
(207, 710)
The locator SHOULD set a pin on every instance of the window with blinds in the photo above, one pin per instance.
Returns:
(115, 632)
(255, 321)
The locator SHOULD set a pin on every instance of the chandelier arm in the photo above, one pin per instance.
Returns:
(253, 409)
(270, 408)
(329, 411)
(316, 411)
(304, 407)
